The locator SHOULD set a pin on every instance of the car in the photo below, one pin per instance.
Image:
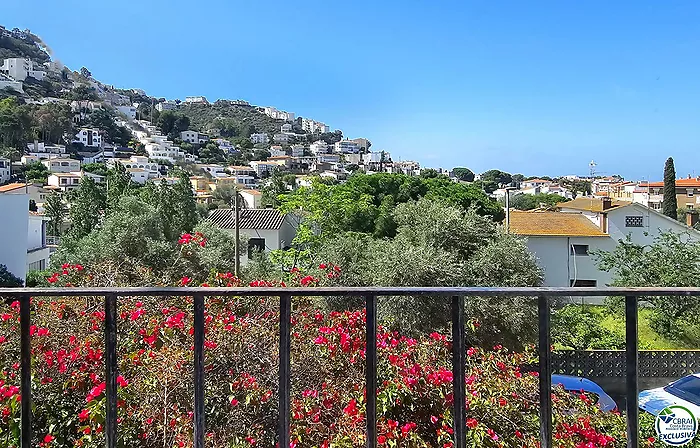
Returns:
(685, 392)
(578, 384)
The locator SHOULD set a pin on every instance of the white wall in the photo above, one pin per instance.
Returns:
(653, 224)
(13, 231)
(560, 267)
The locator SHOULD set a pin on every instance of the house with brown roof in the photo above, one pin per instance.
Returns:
(562, 241)
(264, 229)
(687, 193)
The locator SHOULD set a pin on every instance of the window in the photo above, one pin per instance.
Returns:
(583, 283)
(37, 265)
(690, 192)
(689, 206)
(579, 249)
(255, 245)
(634, 221)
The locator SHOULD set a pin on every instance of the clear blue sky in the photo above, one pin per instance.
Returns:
(538, 87)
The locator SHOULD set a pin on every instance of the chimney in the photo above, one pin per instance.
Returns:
(692, 218)
(607, 203)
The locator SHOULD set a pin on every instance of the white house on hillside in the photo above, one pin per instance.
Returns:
(22, 68)
(265, 229)
(89, 137)
(62, 165)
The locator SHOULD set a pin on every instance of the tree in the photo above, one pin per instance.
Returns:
(463, 174)
(429, 173)
(172, 123)
(673, 260)
(119, 184)
(53, 121)
(96, 168)
(15, 124)
(8, 279)
(32, 206)
(85, 72)
(494, 179)
(36, 172)
(355, 205)
(82, 92)
(670, 201)
(581, 328)
(444, 245)
(87, 208)
(57, 211)
(184, 206)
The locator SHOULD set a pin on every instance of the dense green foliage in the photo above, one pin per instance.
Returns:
(463, 174)
(36, 172)
(8, 279)
(671, 260)
(21, 44)
(670, 202)
(171, 123)
(103, 119)
(581, 328)
(365, 203)
(494, 179)
(231, 119)
(533, 201)
(57, 211)
(434, 244)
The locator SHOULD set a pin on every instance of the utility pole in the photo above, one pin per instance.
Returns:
(237, 221)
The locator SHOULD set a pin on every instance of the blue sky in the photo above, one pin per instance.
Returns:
(537, 87)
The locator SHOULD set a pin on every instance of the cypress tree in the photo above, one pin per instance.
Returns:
(670, 201)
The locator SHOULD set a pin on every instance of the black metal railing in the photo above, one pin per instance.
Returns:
(458, 296)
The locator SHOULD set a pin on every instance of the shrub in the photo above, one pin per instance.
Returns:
(328, 402)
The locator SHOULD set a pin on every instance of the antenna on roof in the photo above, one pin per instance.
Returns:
(591, 167)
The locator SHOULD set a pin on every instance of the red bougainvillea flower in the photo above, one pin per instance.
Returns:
(351, 408)
(472, 423)
(48, 438)
(184, 281)
(84, 415)
(122, 382)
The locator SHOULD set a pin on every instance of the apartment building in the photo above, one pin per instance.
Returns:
(259, 138)
(20, 69)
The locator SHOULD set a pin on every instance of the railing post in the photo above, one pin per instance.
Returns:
(199, 371)
(284, 370)
(25, 313)
(631, 353)
(545, 358)
(111, 370)
(458, 371)
(371, 369)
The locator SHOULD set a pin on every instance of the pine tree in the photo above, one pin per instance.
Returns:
(670, 201)
(185, 205)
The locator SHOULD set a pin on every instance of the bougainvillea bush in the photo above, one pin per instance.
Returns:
(241, 354)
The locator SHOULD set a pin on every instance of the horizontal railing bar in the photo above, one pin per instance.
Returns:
(360, 291)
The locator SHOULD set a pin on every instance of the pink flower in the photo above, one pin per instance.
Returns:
(48, 438)
(122, 382)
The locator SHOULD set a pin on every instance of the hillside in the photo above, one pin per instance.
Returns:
(22, 44)
(228, 119)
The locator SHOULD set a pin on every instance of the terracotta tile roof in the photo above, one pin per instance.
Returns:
(252, 218)
(693, 182)
(552, 224)
(11, 187)
(589, 204)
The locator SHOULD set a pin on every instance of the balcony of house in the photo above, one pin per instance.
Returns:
(363, 348)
